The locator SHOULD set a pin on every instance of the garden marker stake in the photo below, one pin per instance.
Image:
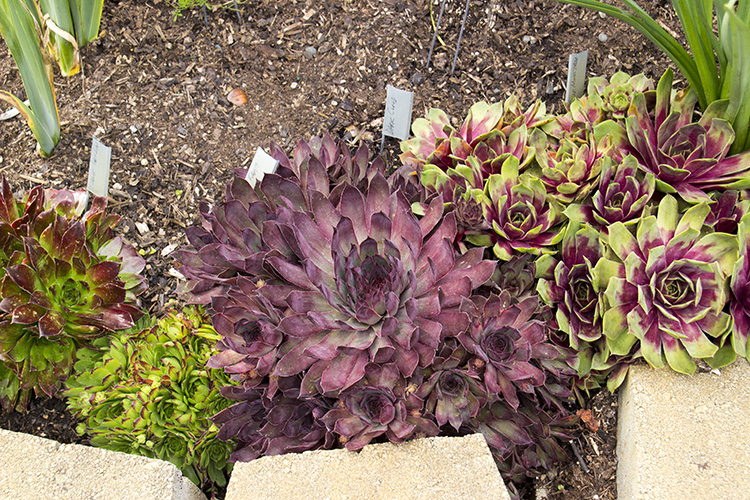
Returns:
(576, 75)
(262, 164)
(98, 183)
(460, 36)
(397, 120)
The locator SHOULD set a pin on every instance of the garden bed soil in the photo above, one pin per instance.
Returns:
(155, 90)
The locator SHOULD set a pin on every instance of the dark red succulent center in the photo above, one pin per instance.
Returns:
(500, 344)
(373, 277)
(452, 384)
(250, 331)
(374, 406)
(617, 200)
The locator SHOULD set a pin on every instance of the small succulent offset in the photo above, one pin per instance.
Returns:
(148, 393)
(68, 279)
(669, 287)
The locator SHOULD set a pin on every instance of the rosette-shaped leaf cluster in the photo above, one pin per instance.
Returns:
(570, 284)
(522, 217)
(229, 244)
(513, 353)
(525, 377)
(571, 160)
(622, 196)
(375, 285)
(686, 157)
(148, 393)
(68, 279)
(669, 287)
(485, 134)
(611, 99)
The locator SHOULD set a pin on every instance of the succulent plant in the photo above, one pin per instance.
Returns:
(513, 353)
(727, 210)
(739, 302)
(622, 196)
(489, 133)
(524, 439)
(571, 286)
(148, 393)
(686, 157)
(68, 280)
(375, 284)
(522, 217)
(668, 288)
(229, 244)
(611, 99)
(571, 162)
(380, 404)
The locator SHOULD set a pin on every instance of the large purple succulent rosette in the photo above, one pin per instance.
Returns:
(671, 288)
(374, 285)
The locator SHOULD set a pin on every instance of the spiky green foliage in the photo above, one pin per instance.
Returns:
(149, 393)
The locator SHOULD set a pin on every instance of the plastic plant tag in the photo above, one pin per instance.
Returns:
(12, 112)
(397, 121)
(576, 75)
(101, 157)
(262, 164)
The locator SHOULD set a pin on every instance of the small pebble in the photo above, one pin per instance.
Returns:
(311, 51)
(294, 85)
(603, 38)
(133, 129)
(417, 78)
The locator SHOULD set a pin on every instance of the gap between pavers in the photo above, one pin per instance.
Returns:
(684, 437)
(449, 468)
(42, 469)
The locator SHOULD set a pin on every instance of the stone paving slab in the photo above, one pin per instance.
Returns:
(440, 468)
(684, 437)
(41, 469)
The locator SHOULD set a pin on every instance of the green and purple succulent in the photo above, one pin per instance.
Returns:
(669, 288)
(687, 157)
(68, 280)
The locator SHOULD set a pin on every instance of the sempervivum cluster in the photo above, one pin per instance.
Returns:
(230, 243)
(68, 279)
(148, 393)
(364, 326)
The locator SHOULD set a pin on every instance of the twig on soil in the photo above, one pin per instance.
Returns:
(580, 459)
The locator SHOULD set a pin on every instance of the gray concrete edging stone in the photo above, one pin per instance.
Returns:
(454, 468)
(684, 437)
(42, 469)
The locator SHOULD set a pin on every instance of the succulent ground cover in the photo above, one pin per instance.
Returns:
(160, 191)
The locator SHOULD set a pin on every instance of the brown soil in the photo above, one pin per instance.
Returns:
(155, 89)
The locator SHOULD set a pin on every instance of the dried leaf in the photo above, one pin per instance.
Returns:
(588, 418)
(237, 97)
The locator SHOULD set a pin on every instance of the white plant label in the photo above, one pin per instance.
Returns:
(398, 105)
(262, 164)
(101, 156)
(576, 75)
(12, 112)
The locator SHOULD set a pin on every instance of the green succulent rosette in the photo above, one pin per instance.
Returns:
(150, 394)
